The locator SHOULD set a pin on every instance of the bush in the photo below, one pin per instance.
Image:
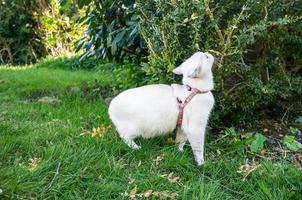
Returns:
(112, 30)
(256, 43)
(59, 29)
(30, 30)
(19, 40)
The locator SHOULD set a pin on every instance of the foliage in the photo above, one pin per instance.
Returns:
(257, 143)
(230, 131)
(125, 75)
(256, 43)
(294, 130)
(30, 30)
(59, 28)
(299, 120)
(46, 154)
(291, 143)
(112, 30)
(19, 39)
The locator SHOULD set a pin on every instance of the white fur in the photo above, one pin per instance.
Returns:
(152, 110)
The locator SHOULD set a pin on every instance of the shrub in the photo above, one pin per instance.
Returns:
(19, 40)
(112, 30)
(30, 29)
(256, 43)
(59, 29)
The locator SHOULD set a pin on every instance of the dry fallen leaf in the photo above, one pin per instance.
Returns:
(297, 160)
(165, 194)
(132, 193)
(174, 180)
(185, 21)
(194, 16)
(158, 159)
(299, 157)
(33, 163)
(148, 193)
(174, 194)
(246, 169)
(99, 131)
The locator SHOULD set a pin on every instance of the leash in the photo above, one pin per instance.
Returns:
(182, 105)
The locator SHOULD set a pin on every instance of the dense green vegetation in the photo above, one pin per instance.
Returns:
(48, 150)
(256, 44)
(31, 29)
(57, 142)
(112, 30)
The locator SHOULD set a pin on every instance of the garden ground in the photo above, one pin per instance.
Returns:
(57, 142)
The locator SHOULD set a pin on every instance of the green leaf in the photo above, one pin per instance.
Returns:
(264, 187)
(299, 120)
(294, 130)
(79, 45)
(113, 48)
(63, 2)
(258, 143)
(83, 3)
(291, 143)
(119, 36)
(230, 131)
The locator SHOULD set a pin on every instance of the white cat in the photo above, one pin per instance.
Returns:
(152, 110)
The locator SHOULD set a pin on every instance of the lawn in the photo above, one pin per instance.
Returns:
(50, 148)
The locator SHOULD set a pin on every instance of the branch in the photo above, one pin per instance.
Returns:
(211, 16)
(218, 31)
(56, 174)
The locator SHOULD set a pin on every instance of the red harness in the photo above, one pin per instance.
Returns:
(182, 105)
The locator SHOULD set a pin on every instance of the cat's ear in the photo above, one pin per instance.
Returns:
(178, 70)
(194, 72)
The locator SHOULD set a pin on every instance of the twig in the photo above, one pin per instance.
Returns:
(286, 113)
(56, 174)
(267, 74)
(234, 87)
(227, 188)
(218, 32)
(211, 16)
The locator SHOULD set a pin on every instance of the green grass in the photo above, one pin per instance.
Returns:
(71, 166)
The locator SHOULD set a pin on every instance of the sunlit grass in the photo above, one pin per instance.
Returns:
(15, 68)
(44, 155)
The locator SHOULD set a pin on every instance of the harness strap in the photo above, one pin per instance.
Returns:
(182, 105)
